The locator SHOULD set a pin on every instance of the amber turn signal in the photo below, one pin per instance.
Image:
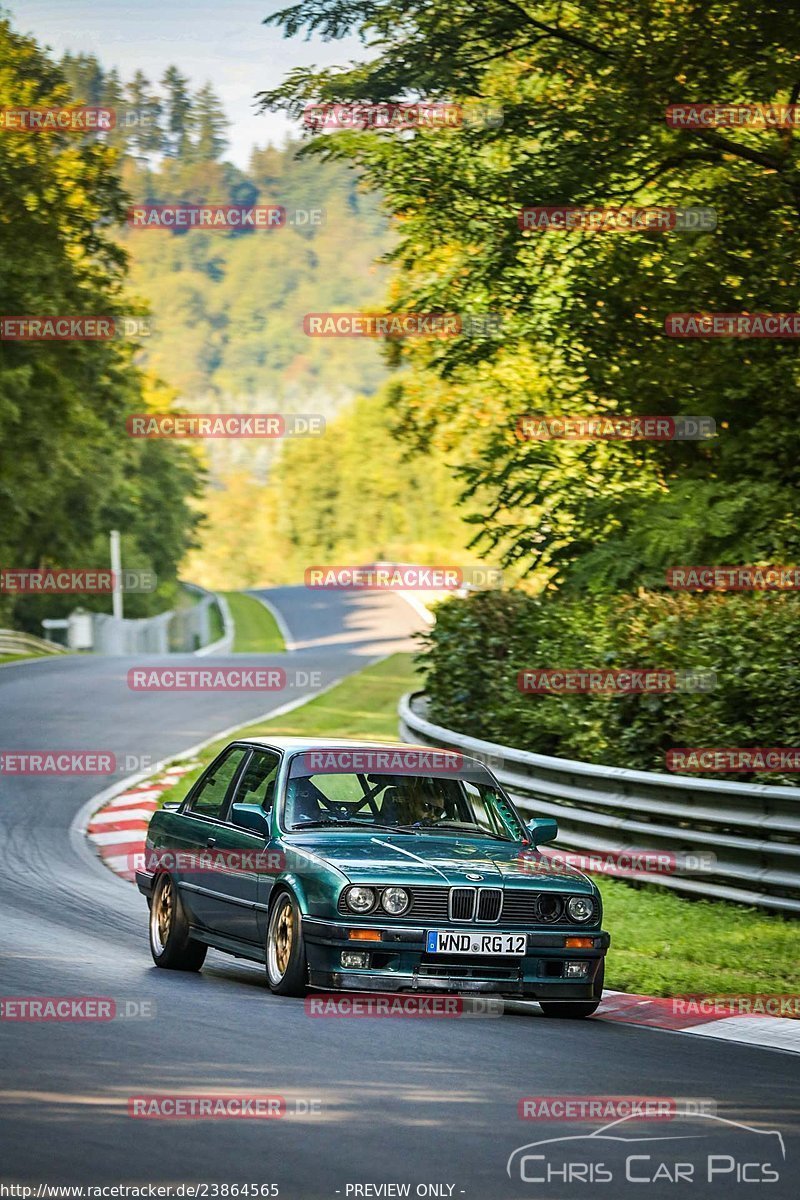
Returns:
(369, 935)
(577, 943)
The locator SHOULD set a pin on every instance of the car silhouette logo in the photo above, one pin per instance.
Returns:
(647, 1147)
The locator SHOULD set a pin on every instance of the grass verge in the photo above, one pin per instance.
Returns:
(662, 944)
(256, 628)
(10, 658)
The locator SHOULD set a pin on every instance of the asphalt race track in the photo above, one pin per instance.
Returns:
(421, 1102)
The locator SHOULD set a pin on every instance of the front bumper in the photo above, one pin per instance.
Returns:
(144, 882)
(399, 962)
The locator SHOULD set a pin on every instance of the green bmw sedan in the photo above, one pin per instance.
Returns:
(367, 866)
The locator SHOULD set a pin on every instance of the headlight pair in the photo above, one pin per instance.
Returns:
(393, 900)
(551, 908)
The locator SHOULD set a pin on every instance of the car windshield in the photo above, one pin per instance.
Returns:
(401, 802)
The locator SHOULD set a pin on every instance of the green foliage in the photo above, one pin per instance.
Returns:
(228, 306)
(181, 118)
(479, 645)
(227, 332)
(584, 91)
(352, 496)
(68, 472)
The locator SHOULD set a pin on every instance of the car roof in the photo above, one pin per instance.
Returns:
(310, 743)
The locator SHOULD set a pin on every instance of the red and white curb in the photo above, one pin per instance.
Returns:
(688, 1016)
(117, 832)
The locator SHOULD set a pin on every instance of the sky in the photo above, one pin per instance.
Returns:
(218, 40)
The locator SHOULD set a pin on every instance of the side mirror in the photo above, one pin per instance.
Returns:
(250, 816)
(542, 830)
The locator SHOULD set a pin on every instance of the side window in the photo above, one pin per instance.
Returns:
(208, 801)
(257, 785)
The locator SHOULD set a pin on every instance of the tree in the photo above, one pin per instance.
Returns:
(180, 115)
(211, 124)
(147, 136)
(85, 76)
(68, 471)
(584, 123)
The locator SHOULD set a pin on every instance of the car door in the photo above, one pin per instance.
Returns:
(202, 825)
(243, 855)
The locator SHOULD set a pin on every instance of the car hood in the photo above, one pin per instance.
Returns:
(427, 858)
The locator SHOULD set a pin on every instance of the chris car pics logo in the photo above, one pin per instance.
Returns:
(696, 1148)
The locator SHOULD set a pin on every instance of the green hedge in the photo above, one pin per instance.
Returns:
(478, 646)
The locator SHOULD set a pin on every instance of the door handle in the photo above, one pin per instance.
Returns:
(211, 842)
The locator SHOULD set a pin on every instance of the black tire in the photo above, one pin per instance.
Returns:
(287, 966)
(576, 1009)
(170, 943)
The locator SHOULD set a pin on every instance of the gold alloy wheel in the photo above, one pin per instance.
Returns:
(281, 939)
(161, 916)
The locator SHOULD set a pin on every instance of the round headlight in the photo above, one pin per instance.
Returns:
(360, 899)
(580, 908)
(549, 908)
(395, 900)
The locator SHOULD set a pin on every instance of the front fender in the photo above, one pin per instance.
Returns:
(295, 884)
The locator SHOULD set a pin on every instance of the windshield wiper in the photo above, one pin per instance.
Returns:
(326, 821)
(473, 831)
(353, 822)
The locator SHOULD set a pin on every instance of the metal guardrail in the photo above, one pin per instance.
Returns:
(748, 835)
(13, 642)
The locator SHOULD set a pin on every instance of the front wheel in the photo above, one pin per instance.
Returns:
(576, 1008)
(287, 969)
(170, 943)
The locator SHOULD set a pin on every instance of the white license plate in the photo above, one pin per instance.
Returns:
(457, 941)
